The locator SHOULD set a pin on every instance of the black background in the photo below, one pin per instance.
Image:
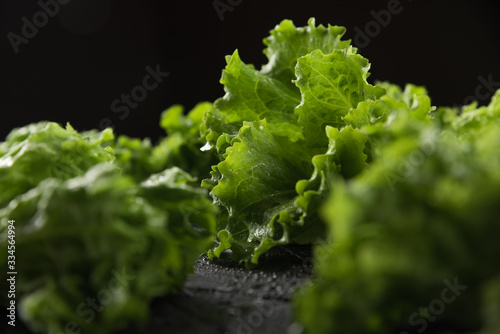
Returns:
(92, 51)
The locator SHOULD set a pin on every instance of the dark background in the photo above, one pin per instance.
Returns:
(92, 51)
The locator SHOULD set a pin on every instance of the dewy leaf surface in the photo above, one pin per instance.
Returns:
(257, 183)
(278, 158)
(331, 85)
(287, 43)
(252, 96)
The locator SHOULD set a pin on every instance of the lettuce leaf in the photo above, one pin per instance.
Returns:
(102, 219)
(101, 236)
(280, 145)
(181, 147)
(256, 185)
(419, 219)
(331, 85)
(42, 150)
(288, 43)
(253, 95)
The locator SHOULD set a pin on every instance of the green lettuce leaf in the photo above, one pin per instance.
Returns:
(101, 236)
(288, 43)
(472, 119)
(181, 147)
(253, 95)
(256, 185)
(420, 219)
(92, 213)
(39, 151)
(331, 85)
(276, 171)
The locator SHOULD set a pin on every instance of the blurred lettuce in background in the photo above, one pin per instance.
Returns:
(399, 197)
(101, 226)
(413, 240)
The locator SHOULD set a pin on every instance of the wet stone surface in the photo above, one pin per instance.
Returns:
(224, 298)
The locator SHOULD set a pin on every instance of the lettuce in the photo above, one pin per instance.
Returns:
(102, 236)
(275, 132)
(180, 148)
(38, 151)
(253, 95)
(102, 226)
(416, 231)
(331, 85)
(399, 197)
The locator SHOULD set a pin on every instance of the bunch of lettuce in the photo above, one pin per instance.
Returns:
(413, 239)
(276, 134)
(42, 150)
(181, 147)
(413, 192)
(400, 198)
(95, 238)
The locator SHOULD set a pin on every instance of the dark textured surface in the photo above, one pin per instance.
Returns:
(223, 298)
